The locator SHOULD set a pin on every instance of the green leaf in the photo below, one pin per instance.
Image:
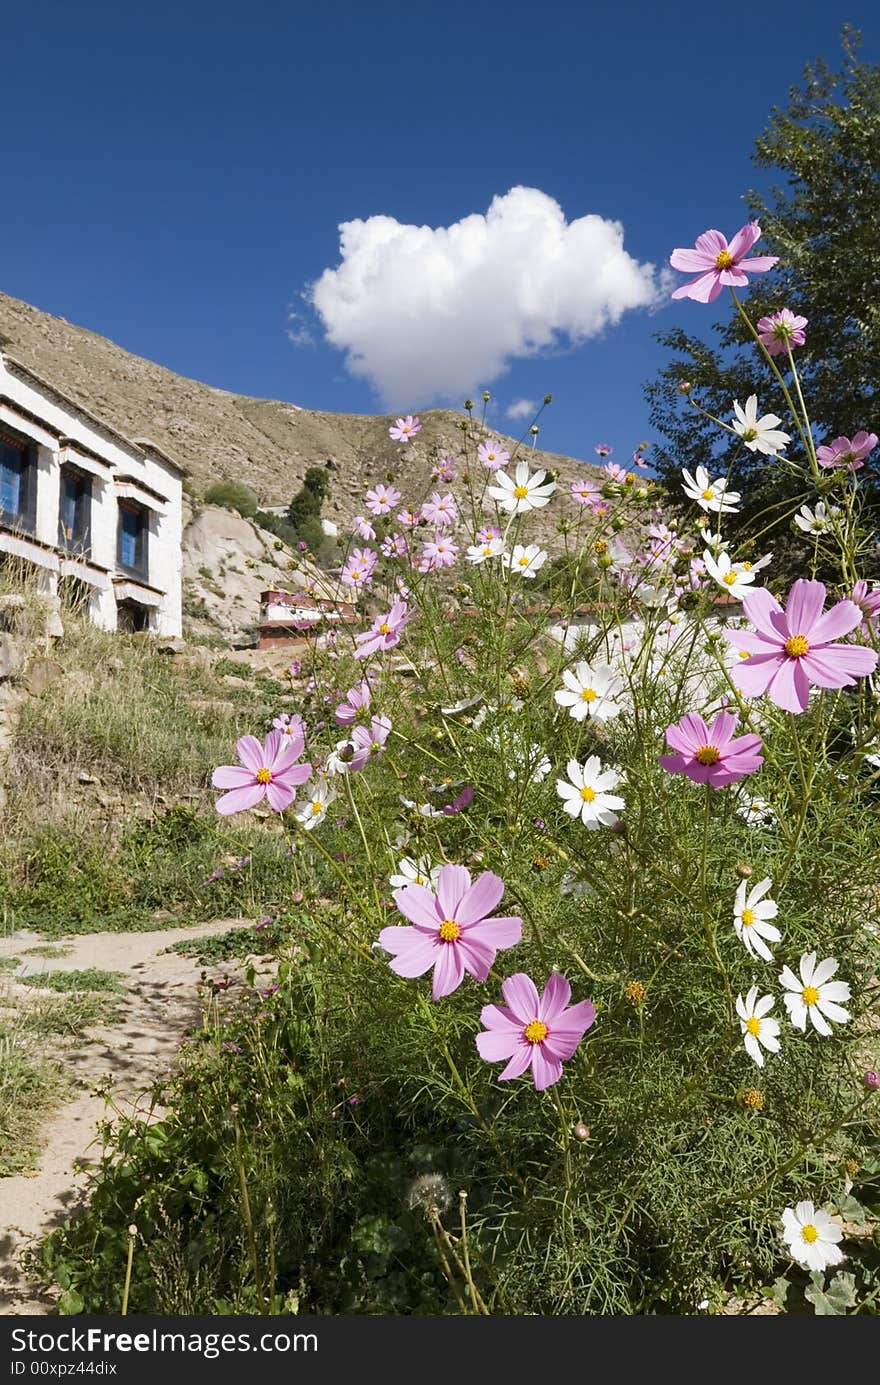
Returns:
(836, 1298)
(70, 1303)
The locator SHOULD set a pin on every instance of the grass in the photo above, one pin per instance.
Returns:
(29, 1088)
(90, 979)
(233, 945)
(47, 950)
(66, 1016)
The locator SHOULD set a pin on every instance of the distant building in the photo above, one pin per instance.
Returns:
(290, 620)
(92, 510)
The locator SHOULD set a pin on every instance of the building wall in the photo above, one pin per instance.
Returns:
(107, 458)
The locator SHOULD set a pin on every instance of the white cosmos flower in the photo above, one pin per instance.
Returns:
(709, 494)
(590, 691)
(756, 811)
(525, 561)
(754, 564)
(731, 576)
(816, 521)
(313, 809)
(751, 915)
(812, 1236)
(758, 434)
(587, 796)
(415, 872)
(525, 492)
(710, 538)
(756, 1028)
(479, 552)
(815, 994)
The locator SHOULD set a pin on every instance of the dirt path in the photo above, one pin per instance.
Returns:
(160, 1005)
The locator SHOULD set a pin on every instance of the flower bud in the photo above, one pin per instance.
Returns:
(752, 1099)
(684, 386)
(744, 870)
(581, 1131)
(605, 561)
(468, 404)
(871, 1080)
(486, 396)
(534, 429)
(548, 398)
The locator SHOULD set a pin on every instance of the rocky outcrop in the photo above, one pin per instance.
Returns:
(227, 562)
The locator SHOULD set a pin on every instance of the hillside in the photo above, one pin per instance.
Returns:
(266, 443)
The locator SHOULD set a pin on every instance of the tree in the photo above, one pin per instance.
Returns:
(232, 495)
(823, 224)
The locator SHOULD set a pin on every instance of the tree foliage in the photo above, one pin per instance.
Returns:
(821, 220)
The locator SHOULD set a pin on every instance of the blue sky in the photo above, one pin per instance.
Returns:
(174, 177)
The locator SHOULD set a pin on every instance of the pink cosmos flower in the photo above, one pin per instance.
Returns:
(867, 601)
(453, 931)
(439, 552)
(781, 330)
(357, 701)
(395, 546)
(403, 429)
(362, 527)
(382, 499)
(716, 263)
(358, 569)
(266, 771)
(288, 725)
(488, 533)
(408, 518)
(847, 452)
(492, 455)
(368, 741)
(534, 1031)
(584, 492)
(788, 650)
(385, 632)
(444, 470)
(440, 510)
(459, 803)
(614, 471)
(603, 450)
(640, 460)
(710, 754)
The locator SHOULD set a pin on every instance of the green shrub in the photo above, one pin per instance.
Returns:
(232, 495)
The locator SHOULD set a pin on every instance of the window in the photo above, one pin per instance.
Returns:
(131, 548)
(18, 482)
(75, 511)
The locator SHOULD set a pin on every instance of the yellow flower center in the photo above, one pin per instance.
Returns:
(449, 931)
(743, 653)
(588, 795)
(263, 776)
(523, 562)
(600, 547)
(723, 260)
(708, 755)
(384, 629)
(748, 917)
(419, 880)
(356, 573)
(589, 695)
(747, 566)
(753, 1025)
(708, 493)
(809, 1233)
(810, 995)
(520, 492)
(535, 1032)
(796, 645)
(749, 434)
(317, 807)
(730, 578)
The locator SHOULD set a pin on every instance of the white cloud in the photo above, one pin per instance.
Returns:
(521, 408)
(434, 313)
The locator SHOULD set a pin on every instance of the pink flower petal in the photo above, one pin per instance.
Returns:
(496, 1045)
(250, 752)
(692, 261)
(519, 1062)
(231, 777)
(476, 954)
(448, 970)
(555, 997)
(711, 243)
(279, 796)
(239, 800)
(804, 606)
(759, 607)
(754, 675)
(545, 1068)
(722, 729)
(499, 1017)
(521, 996)
(744, 240)
(415, 952)
(453, 882)
(478, 901)
(419, 905)
(839, 621)
(788, 687)
(838, 665)
(292, 776)
(497, 933)
(760, 264)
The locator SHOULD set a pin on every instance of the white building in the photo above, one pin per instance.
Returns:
(89, 507)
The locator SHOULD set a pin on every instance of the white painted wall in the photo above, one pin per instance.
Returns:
(43, 418)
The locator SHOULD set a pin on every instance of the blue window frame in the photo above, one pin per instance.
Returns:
(75, 510)
(131, 547)
(18, 490)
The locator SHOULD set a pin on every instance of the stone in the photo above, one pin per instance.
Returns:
(85, 778)
(11, 655)
(42, 672)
